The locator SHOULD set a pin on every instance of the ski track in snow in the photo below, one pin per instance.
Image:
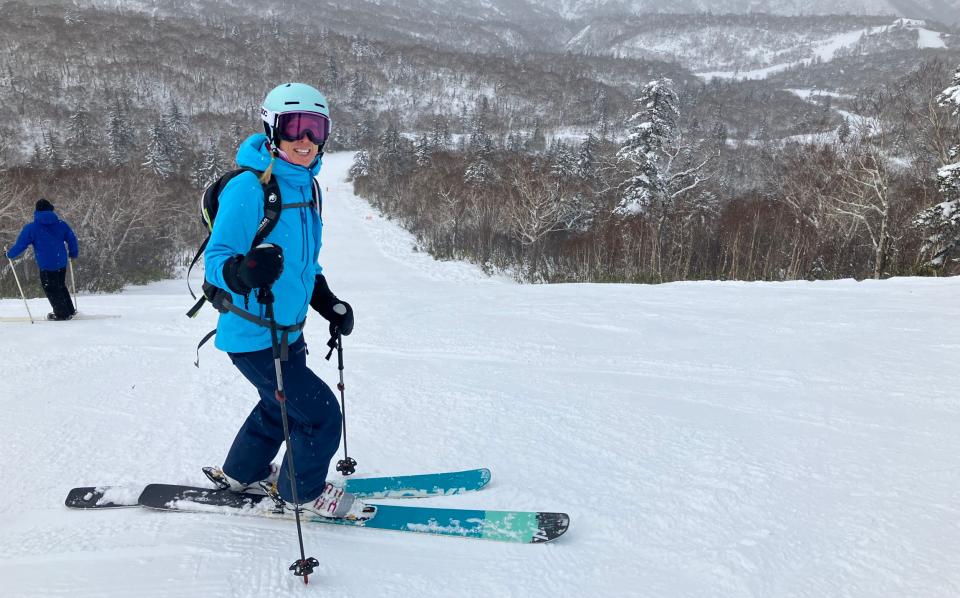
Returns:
(707, 439)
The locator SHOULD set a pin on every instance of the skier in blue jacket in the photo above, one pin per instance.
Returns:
(48, 234)
(297, 122)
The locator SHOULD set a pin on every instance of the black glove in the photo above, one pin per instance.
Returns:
(338, 313)
(260, 268)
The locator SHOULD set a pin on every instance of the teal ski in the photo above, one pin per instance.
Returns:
(402, 486)
(528, 527)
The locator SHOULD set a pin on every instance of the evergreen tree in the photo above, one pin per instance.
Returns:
(479, 170)
(356, 91)
(363, 134)
(563, 164)
(361, 165)
(942, 221)
(120, 137)
(843, 131)
(333, 73)
(79, 142)
(440, 134)
(537, 142)
(586, 158)
(158, 160)
(390, 154)
(214, 164)
(209, 167)
(422, 151)
(174, 128)
(480, 141)
(652, 126)
(601, 108)
(46, 155)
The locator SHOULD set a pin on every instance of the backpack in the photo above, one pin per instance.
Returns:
(209, 206)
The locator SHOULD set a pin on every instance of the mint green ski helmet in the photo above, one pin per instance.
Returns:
(291, 97)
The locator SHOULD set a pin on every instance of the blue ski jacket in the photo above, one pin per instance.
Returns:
(47, 233)
(297, 232)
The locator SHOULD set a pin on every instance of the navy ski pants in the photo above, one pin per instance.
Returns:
(313, 415)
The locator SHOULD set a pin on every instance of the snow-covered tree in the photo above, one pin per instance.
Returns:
(333, 73)
(439, 134)
(79, 142)
(843, 131)
(422, 151)
(120, 138)
(563, 164)
(651, 128)
(356, 91)
(362, 134)
(586, 158)
(514, 142)
(390, 157)
(209, 167)
(942, 221)
(158, 159)
(175, 126)
(479, 170)
(361, 165)
(46, 154)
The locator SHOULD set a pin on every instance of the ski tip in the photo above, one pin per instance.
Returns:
(484, 477)
(550, 526)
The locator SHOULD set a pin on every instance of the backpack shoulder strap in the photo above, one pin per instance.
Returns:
(216, 189)
(272, 205)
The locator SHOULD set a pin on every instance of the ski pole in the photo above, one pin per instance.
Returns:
(347, 465)
(13, 269)
(304, 566)
(73, 280)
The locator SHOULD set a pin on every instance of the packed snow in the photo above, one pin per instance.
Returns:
(707, 439)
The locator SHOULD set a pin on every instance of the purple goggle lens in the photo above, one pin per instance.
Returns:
(292, 126)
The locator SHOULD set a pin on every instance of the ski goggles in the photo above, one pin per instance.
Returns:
(292, 126)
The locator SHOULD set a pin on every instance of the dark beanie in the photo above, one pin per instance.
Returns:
(44, 206)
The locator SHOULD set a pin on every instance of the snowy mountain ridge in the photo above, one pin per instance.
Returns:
(734, 44)
(943, 10)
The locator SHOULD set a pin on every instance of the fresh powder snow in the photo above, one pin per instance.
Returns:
(731, 439)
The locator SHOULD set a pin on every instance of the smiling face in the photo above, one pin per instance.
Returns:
(301, 152)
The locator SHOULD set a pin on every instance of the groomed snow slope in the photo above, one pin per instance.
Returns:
(707, 439)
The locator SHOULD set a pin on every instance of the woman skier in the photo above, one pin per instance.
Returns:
(296, 121)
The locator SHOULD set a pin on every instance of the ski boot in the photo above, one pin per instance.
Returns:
(333, 503)
(224, 482)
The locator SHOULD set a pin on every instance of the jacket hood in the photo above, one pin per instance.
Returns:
(45, 217)
(253, 153)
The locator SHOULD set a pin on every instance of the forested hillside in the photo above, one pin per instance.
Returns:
(519, 159)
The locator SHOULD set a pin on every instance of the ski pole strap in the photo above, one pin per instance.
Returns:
(201, 343)
(196, 306)
(196, 258)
